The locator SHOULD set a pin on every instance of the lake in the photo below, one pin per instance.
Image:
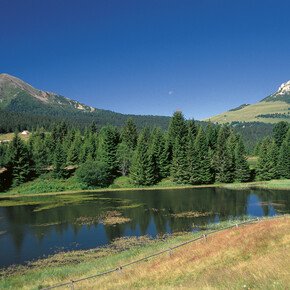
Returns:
(34, 227)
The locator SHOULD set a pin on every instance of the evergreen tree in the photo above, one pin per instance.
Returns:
(222, 160)
(192, 128)
(40, 154)
(179, 161)
(59, 162)
(205, 174)
(279, 132)
(177, 130)
(108, 151)
(124, 155)
(273, 160)
(156, 149)
(242, 170)
(211, 136)
(129, 134)
(141, 170)
(93, 128)
(164, 161)
(20, 163)
(264, 164)
(283, 162)
(73, 155)
(192, 161)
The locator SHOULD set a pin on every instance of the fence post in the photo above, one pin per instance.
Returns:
(120, 272)
(204, 237)
(71, 285)
(170, 254)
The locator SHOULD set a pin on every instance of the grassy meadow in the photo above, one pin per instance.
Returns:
(249, 113)
(252, 256)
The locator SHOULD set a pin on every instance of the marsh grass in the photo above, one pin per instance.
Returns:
(190, 214)
(252, 256)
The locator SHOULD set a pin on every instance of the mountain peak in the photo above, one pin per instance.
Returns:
(284, 88)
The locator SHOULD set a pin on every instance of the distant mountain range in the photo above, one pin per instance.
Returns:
(16, 96)
(24, 105)
(272, 109)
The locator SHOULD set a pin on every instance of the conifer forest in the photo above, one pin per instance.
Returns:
(186, 153)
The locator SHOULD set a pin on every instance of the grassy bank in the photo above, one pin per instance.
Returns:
(67, 186)
(252, 256)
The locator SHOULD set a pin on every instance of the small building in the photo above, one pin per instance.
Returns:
(25, 132)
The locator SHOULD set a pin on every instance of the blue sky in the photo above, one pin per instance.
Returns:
(149, 57)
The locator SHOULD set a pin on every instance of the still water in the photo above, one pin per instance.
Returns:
(34, 227)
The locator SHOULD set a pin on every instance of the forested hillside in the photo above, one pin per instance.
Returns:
(186, 154)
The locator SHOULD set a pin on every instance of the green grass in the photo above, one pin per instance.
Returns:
(249, 113)
(10, 136)
(283, 184)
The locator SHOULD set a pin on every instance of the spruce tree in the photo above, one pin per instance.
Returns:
(280, 131)
(179, 164)
(59, 162)
(283, 166)
(129, 134)
(222, 159)
(204, 171)
(141, 170)
(192, 161)
(211, 136)
(20, 163)
(242, 169)
(264, 164)
(108, 150)
(177, 130)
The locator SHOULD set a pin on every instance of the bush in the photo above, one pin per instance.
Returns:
(93, 173)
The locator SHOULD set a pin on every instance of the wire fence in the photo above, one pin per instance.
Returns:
(120, 267)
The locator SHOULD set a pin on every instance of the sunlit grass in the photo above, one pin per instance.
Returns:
(252, 256)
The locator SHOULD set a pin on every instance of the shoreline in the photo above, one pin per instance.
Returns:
(272, 184)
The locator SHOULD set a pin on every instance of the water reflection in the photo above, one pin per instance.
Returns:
(42, 225)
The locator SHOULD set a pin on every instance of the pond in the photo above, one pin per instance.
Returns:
(34, 227)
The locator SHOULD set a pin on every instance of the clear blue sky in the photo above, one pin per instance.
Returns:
(149, 56)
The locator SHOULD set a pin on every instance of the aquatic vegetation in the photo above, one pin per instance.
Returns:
(190, 214)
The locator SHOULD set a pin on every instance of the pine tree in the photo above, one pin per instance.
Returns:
(242, 170)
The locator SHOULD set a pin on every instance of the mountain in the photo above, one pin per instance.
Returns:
(272, 109)
(19, 100)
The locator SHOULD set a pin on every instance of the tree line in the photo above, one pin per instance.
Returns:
(186, 153)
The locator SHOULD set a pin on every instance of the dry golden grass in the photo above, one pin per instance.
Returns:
(255, 256)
